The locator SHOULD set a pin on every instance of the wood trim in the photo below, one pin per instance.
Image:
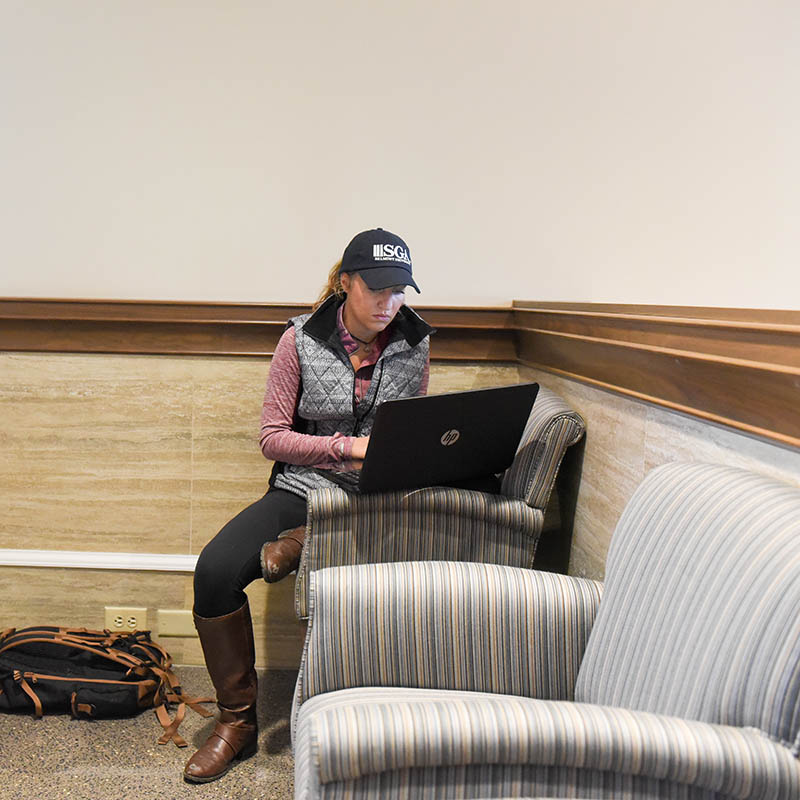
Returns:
(216, 329)
(736, 367)
(706, 313)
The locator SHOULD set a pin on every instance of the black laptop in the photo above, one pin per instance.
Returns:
(445, 439)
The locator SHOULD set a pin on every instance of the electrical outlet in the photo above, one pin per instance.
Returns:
(175, 622)
(126, 618)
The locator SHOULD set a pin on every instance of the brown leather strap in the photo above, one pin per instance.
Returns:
(80, 708)
(174, 694)
(170, 690)
(229, 735)
(171, 726)
(169, 678)
(25, 686)
(191, 702)
(166, 658)
(295, 534)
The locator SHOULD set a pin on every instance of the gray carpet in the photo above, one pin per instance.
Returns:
(58, 757)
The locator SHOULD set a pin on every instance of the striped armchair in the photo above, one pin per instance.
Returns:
(677, 678)
(444, 523)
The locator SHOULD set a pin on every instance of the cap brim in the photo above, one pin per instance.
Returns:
(384, 277)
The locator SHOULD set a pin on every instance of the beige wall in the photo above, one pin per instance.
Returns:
(613, 151)
(140, 454)
(625, 439)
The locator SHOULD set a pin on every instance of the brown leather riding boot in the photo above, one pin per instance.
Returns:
(230, 657)
(282, 556)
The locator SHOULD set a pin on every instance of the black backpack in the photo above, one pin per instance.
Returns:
(91, 674)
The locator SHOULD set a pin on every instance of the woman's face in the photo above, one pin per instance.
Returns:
(367, 312)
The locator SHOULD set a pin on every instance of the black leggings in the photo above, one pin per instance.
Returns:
(231, 560)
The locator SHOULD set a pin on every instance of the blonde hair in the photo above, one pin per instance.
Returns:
(333, 286)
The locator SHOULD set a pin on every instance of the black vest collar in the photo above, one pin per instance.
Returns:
(406, 325)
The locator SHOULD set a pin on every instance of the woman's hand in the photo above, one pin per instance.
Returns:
(359, 450)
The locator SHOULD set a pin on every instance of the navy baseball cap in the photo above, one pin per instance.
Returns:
(381, 258)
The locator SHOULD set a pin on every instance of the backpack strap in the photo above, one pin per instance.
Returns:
(25, 686)
(171, 726)
(147, 647)
(173, 693)
(80, 708)
(103, 649)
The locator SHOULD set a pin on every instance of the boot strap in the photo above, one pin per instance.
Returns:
(234, 736)
(295, 534)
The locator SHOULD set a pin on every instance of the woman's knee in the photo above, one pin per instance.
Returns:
(210, 570)
(216, 575)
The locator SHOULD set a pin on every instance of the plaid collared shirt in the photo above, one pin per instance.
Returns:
(367, 366)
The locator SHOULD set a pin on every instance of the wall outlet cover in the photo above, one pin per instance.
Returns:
(125, 618)
(175, 622)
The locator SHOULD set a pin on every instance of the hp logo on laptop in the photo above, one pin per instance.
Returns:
(450, 437)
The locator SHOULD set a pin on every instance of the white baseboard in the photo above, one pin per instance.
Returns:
(77, 559)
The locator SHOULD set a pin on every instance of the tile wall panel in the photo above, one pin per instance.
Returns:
(625, 439)
(145, 454)
(228, 470)
(77, 597)
(226, 407)
(459, 377)
(96, 453)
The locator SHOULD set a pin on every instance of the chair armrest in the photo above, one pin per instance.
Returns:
(552, 427)
(598, 745)
(433, 524)
(446, 625)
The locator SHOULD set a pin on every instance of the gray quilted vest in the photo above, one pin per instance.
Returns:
(327, 398)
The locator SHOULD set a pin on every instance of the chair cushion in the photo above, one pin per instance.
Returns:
(349, 735)
(701, 610)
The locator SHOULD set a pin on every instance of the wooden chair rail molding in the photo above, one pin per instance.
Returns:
(736, 367)
(216, 329)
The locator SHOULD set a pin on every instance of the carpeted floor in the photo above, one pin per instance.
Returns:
(57, 757)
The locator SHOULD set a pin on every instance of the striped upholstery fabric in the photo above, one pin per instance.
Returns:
(388, 741)
(518, 781)
(689, 685)
(701, 613)
(552, 427)
(479, 627)
(442, 523)
(427, 524)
